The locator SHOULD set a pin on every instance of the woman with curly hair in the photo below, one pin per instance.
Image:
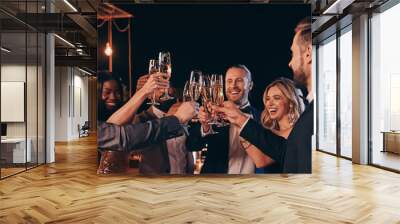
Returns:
(283, 107)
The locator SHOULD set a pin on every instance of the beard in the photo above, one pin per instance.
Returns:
(300, 79)
(299, 76)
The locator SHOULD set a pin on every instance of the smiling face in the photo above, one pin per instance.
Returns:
(111, 94)
(276, 103)
(237, 85)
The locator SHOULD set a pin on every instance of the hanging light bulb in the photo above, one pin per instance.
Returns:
(108, 51)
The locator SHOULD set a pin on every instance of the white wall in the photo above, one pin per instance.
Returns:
(33, 126)
(71, 102)
(61, 103)
(12, 73)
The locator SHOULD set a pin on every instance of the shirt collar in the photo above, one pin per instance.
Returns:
(245, 105)
(310, 97)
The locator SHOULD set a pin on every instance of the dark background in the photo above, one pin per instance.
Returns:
(209, 38)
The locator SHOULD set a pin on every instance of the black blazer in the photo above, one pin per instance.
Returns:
(217, 157)
(294, 153)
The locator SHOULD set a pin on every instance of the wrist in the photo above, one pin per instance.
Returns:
(241, 120)
(245, 144)
(141, 94)
(180, 119)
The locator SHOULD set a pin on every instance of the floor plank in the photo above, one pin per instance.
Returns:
(70, 191)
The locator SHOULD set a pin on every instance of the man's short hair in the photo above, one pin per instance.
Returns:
(243, 67)
(304, 30)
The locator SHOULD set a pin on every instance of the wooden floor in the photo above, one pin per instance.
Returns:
(387, 159)
(10, 171)
(69, 191)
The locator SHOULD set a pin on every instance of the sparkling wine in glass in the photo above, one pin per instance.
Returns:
(165, 68)
(153, 68)
(195, 84)
(206, 98)
(187, 96)
(218, 97)
(196, 79)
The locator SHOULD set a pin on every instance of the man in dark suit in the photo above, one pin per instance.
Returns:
(224, 153)
(295, 152)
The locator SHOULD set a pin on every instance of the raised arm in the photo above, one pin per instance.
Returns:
(130, 136)
(271, 144)
(126, 113)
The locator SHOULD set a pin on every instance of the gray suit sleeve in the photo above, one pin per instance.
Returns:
(133, 136)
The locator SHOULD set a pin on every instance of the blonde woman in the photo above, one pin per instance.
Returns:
(283, 107)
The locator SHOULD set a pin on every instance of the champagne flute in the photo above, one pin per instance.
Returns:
(196, 78)
(206, 93)
(153, 68)
(212, 99)
(187, 96)
(164, 59)
(218, 98)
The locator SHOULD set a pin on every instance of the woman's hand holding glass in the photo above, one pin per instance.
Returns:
(153, 68)
(231, 112)
(154, 82)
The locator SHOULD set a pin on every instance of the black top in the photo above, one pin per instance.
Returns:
(294, 153)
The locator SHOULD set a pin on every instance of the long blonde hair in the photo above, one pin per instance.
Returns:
(295, 103)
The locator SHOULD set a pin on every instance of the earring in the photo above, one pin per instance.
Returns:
(291, 115)
(275, 125)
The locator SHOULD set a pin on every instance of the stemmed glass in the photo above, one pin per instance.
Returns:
(164, 59)
(195, 87)
(187, 96)
(153, 68)
(217, 83)
(206, 93)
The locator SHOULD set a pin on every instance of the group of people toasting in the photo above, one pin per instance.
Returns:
(239, 138)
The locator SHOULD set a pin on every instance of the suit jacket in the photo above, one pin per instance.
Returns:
(133, 136)
(294, 153)
(217, 156)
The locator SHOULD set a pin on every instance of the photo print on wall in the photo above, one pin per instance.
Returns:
(204, 88)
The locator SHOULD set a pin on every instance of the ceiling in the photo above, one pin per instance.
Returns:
(76, 24)
(332, 15)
